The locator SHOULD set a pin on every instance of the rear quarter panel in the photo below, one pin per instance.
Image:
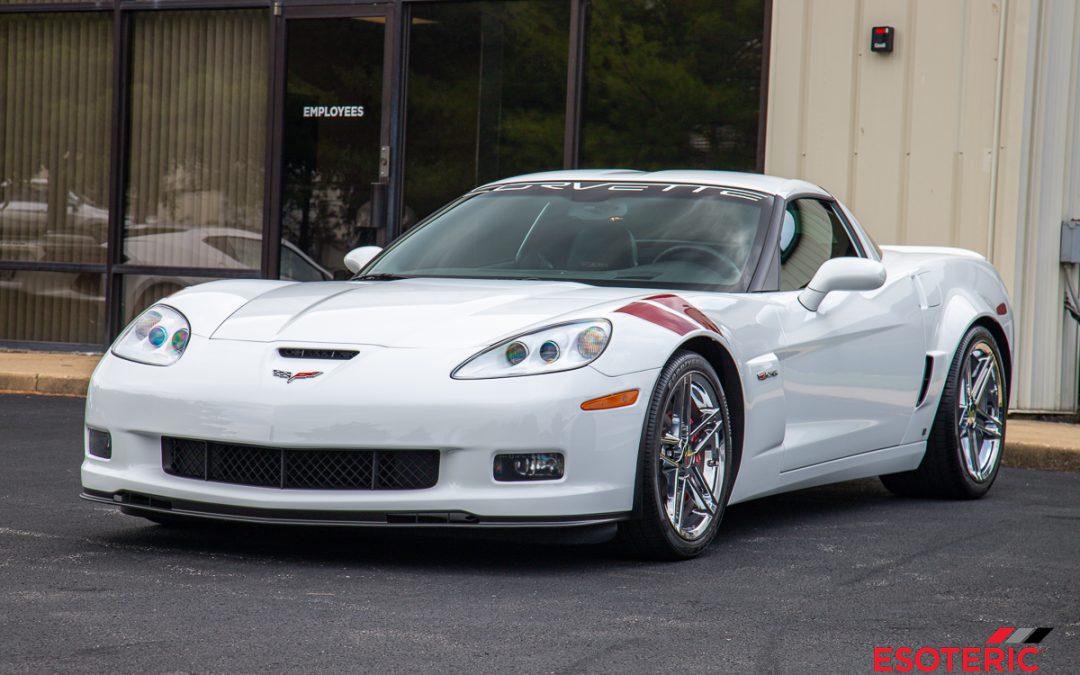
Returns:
(959, 288)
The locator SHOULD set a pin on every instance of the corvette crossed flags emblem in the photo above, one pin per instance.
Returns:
(289, 377)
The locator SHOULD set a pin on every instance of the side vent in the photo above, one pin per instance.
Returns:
(928, 372)
(324, 354)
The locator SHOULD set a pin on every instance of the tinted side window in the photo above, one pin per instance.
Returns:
(811, 234)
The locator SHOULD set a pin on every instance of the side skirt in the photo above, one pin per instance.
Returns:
(864, 465)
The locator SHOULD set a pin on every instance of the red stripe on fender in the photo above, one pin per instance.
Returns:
(680, 305)
(660, 317)
(699, 316)
(1000, 635)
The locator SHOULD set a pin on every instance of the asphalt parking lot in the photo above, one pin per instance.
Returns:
(807, 582)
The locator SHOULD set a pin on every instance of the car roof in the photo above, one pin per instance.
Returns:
(775, 185)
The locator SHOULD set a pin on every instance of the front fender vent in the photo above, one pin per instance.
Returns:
(928, 373)
(324, 354)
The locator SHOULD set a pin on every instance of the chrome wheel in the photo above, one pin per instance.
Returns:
(691, 456)
(980, 411)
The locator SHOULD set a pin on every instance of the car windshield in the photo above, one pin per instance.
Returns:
(635, 234)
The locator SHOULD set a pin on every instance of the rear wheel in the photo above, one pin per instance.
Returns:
(963, 451)
(686, 463)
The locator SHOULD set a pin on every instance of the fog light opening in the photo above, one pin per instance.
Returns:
(531, 466)
(99, 443)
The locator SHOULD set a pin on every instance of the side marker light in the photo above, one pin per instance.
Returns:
(619, 400)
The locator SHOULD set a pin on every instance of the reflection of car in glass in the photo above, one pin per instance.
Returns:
(587, 348)
(214, 247)
(28, 231)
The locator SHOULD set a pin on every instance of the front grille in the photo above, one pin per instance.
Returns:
(324, 354)
(300, 469)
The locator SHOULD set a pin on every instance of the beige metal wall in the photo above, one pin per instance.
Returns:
(931, 144)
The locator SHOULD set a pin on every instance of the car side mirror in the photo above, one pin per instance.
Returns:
(358, 257)
(842, 274)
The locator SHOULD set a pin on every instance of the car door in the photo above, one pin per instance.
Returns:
(851, 370)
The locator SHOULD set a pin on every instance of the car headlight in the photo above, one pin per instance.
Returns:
(549, 350)
(158, 337)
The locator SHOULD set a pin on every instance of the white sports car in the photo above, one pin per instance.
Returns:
(582, 348)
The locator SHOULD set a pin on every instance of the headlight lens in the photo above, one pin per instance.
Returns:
(158, 337)
(549, 350)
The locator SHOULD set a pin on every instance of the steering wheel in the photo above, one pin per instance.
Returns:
(697, 251)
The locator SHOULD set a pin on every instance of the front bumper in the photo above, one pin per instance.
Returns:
(385, 399)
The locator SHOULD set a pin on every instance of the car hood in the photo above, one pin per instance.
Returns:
(414, 313)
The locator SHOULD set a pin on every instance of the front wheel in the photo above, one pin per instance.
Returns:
(686, 463)
(963, 452)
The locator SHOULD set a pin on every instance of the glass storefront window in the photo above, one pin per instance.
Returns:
(673, 84)
(666, 85)
(487, 96)
(55, 96)
(198, 136)
(52, 306)
(333, 114)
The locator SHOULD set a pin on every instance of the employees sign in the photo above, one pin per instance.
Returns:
(333, 111)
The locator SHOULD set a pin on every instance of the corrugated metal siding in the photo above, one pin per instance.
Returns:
(1046, 338)
(907, 140)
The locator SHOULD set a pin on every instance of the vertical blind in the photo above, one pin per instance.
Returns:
(55, 95)
(198, 132)
(54, 136)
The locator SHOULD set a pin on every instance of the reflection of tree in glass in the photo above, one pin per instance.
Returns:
(487, 95)
(673, 84)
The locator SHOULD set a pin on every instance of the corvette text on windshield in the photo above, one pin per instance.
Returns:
(576, 186)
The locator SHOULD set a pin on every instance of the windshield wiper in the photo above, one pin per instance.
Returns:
(380, 276)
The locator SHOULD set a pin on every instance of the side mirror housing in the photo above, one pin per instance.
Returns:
(358, 257)
(842, 274)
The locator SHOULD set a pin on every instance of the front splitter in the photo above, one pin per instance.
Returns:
(149, 505)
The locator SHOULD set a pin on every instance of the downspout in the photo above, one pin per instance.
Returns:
(995, 151)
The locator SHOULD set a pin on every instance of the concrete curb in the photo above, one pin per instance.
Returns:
(1029, 444)
(1022, 455)
(43, 386)
(1051, 446)
(65, 374)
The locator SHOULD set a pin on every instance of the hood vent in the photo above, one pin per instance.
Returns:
(323, 354)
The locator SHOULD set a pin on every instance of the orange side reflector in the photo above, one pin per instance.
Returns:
(620, 400)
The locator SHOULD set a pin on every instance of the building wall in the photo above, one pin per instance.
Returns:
(1049, 189)
(936, 142)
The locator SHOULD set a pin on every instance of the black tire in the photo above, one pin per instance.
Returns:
(942, 473)
(652, 535)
